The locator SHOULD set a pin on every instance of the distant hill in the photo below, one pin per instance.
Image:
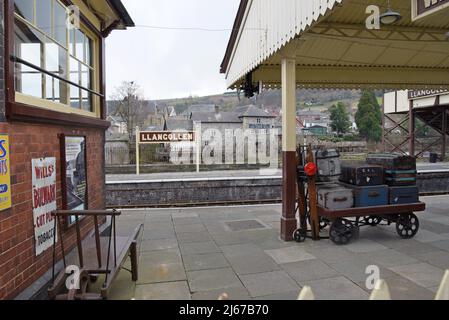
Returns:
(269, 99)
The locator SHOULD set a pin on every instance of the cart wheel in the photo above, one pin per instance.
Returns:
(341, 233)
(324, 223)
(373, 221)
(407, 225)
(300, 236)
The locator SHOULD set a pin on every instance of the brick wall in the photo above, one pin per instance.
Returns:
(19, 267)
(2, 66)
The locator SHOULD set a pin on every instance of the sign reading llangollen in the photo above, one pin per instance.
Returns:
(166, 137)
(422, 8)
(44, 202)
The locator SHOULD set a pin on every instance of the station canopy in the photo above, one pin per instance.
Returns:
(333, 47)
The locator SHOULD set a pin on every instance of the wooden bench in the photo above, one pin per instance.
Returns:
(96, 255)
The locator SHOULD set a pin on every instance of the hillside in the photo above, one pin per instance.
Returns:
(319, 100)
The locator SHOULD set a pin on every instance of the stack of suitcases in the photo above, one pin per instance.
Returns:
(400, 175)
(367, 183)
(384, 179)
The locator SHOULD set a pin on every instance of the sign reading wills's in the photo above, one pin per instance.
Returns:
(166, 137)
(422, 8)
(5, 176)
(44, 202)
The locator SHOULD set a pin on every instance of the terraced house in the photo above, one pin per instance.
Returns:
(52, 125)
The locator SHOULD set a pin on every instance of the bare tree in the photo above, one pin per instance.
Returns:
(129, 106)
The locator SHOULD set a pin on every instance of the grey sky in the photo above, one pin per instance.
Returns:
(171, 63)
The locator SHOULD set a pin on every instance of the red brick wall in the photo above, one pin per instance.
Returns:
(19, 266)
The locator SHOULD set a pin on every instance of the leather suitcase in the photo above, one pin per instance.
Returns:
(360, 174)
(404, 195)
(400, 177)
(369, 196)
(335, 197)
(328, 164)
(392, 161)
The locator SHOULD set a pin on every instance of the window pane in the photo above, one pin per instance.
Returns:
(60, 19)
(74, 77)
(56, 62)
(79, 40)
(28, 45)
(43, 15)
(86, 82)
(86, 100)
(24, 8)
(89, 51)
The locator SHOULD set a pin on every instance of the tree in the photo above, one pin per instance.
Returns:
(129, 106)
(340, 118)
(369, 117)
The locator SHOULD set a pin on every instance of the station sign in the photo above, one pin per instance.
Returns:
(165, 137)
(415, 94)
(423, 8)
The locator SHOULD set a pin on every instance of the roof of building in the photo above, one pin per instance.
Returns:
(178, 124)
(252, 112)
(199, 108)
(216, 117)
(122, 12)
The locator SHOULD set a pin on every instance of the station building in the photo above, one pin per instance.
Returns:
(52, 128)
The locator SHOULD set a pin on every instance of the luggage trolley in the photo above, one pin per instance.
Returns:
(344, 225)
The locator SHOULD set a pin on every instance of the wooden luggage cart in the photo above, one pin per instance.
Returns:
(97, 255)
(344, 225)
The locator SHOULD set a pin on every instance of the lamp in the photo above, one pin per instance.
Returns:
(390, 16)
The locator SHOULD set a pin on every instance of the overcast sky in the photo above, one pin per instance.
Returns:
(171, 63)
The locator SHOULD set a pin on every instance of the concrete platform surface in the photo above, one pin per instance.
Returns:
(192, 253)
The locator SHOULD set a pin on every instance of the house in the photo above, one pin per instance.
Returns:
(52, 108)
(118, 126)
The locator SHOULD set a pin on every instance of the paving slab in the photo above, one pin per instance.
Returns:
(289, 255)
(439, 259)
(123, 288)
(195, 262)
(190, 237)
(339, 288)
(166, 272)
(269, 283)
(155, 258)
(207, 280)
(422, 274)
(404, 289)
(163, 291)
(363, 245)
(443, 245)
(199, 227)
(199, 248)
(248, 258)
(156, 245)
(309, 270)
(179, 221)
(237, 293)
(284, 296)
(158, 234)
(389, 258)
(426, 236)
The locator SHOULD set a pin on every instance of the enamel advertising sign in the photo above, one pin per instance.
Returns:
(44, 202)
(422, 8)
(5, 175)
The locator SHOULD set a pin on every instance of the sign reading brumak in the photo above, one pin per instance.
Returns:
(166, 137)
(422, 8)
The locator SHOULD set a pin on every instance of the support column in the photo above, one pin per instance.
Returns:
(444, 140)
(288, 221)
(411, 130)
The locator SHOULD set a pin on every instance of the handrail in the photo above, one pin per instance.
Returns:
(85, 213)
(33, 66)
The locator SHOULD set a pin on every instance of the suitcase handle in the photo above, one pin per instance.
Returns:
(373, 194)
(340, 199)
